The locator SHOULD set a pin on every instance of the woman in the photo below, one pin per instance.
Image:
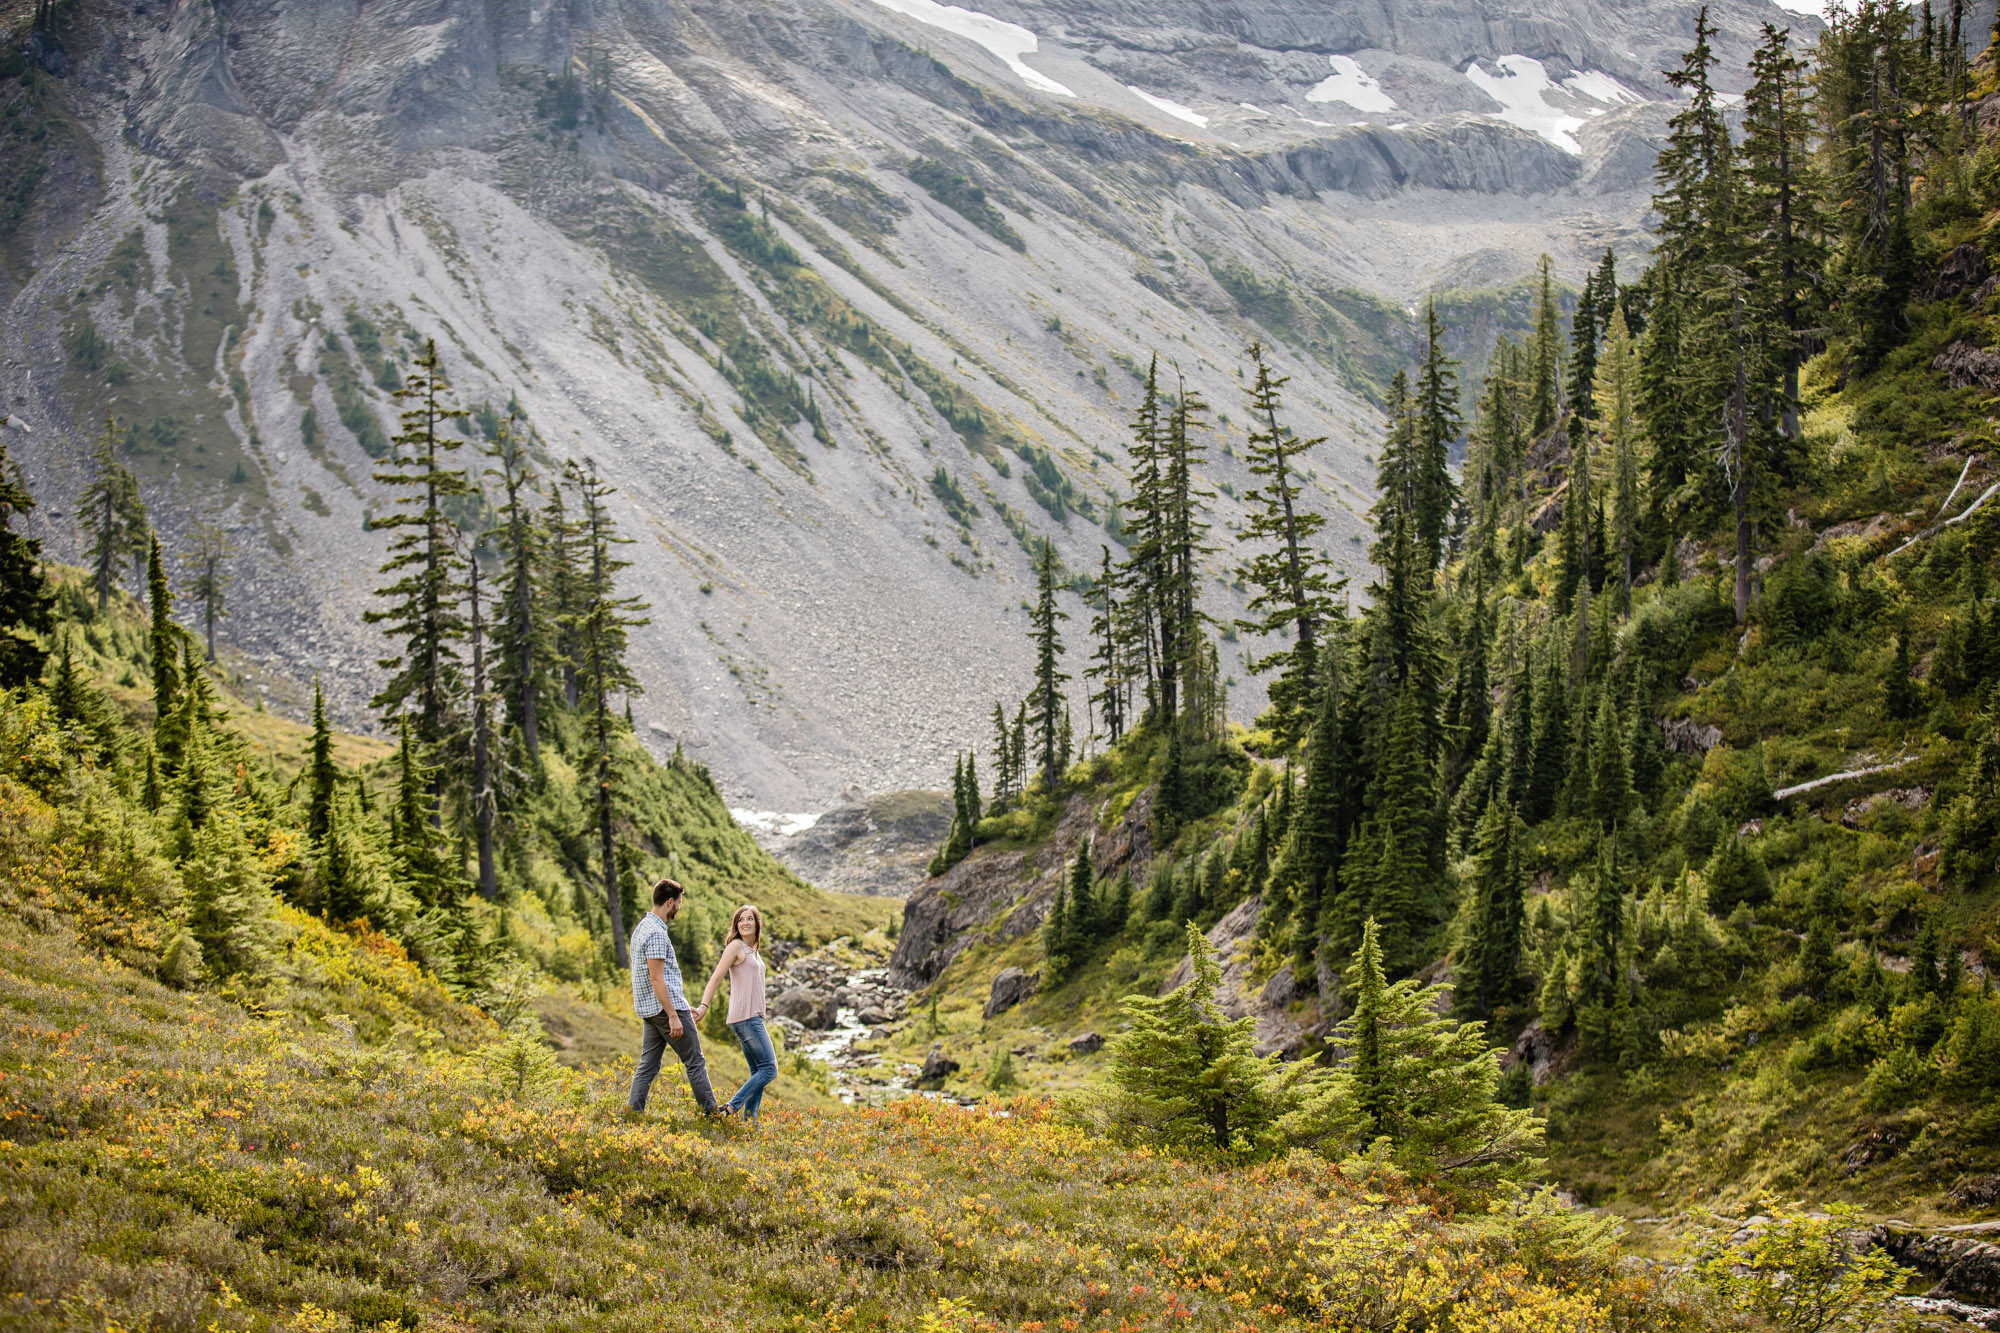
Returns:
(743, 964)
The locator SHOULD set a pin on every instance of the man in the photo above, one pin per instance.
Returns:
(661, 1004)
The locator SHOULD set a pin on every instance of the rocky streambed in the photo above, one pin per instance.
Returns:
(837, 1007)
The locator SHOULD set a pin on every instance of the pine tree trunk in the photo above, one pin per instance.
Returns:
(482, 773)
(1741, 498)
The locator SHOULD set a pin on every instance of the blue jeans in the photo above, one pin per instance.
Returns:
(658, 1037)
(762, 1057)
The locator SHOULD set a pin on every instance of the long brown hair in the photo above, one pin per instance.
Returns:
(736, 925)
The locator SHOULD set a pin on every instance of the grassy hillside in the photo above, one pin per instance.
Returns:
(672, 820)
(175, 1160)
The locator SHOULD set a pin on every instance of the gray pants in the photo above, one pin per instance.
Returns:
(658, 1036)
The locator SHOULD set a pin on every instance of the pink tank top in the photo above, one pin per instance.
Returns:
(746, 986)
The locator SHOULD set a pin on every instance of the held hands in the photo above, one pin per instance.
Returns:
(701, 1011)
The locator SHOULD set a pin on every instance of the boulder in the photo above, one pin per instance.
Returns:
(1963, 270)
(808, 1008)
(1968, 367)
(1090, 1043)
(1010, 988)
(1963, 1261)
(937, 1068)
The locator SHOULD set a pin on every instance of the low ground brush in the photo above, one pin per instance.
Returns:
(175, 1160)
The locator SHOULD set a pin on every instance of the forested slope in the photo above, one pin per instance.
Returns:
(1668, 738)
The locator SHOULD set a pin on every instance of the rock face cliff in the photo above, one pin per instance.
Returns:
(847, 297)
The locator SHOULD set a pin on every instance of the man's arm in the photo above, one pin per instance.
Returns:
(656, 972)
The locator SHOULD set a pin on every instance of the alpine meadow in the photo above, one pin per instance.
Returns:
(1465, 645)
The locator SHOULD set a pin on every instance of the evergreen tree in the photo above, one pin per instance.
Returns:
(483, 802)
(1005, 781)
(1548, 764)
(1058, 938)
(1183, 1075)
(1086, 923)
(1427, 1084)
(208, 579)
(1615, 398)
(1391, 872)
(1583, 330)
(1107, 662)
(112, 515)
(164, 644)
(1611, 773)
(425, 565)
(1047, 699)
(563, 582)
(602, 669)
(1488, 971)
(1319, 818)
(1903, 698)
(1183, 537)
(1783, 208)
(413, 840)
(322, 775)
(1545, 382)
(521, 627)
(229, 907)
(1144, 574)
(26, 601)
(1293, 577)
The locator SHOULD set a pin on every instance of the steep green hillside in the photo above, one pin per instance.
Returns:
(1669, 740)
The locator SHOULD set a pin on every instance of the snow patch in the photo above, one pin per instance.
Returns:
(1816, 8)
(1519, 88)
(1600, 87)
(1174, 109)
(773, 823)
(1007, 41)
(1353, 85)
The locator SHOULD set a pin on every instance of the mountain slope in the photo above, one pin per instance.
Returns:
(236, 223)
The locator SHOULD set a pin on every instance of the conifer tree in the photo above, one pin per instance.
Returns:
(602, 669)
(1047, 699)
(322, 775)
(112, 515)
(1293, 578)
(1183, 536)
(563, 581)
(419, 861)
(1391, 870)
(208, 579)
(1144, 574)
(1783, 208)
(1086, 924)
(26, 601)
(1183, 1075)
(1004, 778)
(1319, 816)
(1057, 936)
(521, 628)
(1548, 764)
(1903, 698)
(483, 802)
(1107, 662)
(1611, 774)
(1545, 382)
(426, 567)
(1488, 972)
(1615, 396)
(165, 648)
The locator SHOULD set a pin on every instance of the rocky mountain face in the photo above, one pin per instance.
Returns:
(849, 298)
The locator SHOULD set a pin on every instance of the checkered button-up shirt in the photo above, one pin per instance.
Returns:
(650, 940)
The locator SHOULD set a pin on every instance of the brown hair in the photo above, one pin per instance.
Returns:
(665, 889)
(736, 925)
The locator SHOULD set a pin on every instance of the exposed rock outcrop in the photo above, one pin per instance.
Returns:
(1963, 1261)
(1010, 988)
(1289, 1016)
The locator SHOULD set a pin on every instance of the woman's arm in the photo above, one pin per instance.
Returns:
(721, 970)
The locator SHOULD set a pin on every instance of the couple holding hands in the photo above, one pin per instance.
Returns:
(662, 1005)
